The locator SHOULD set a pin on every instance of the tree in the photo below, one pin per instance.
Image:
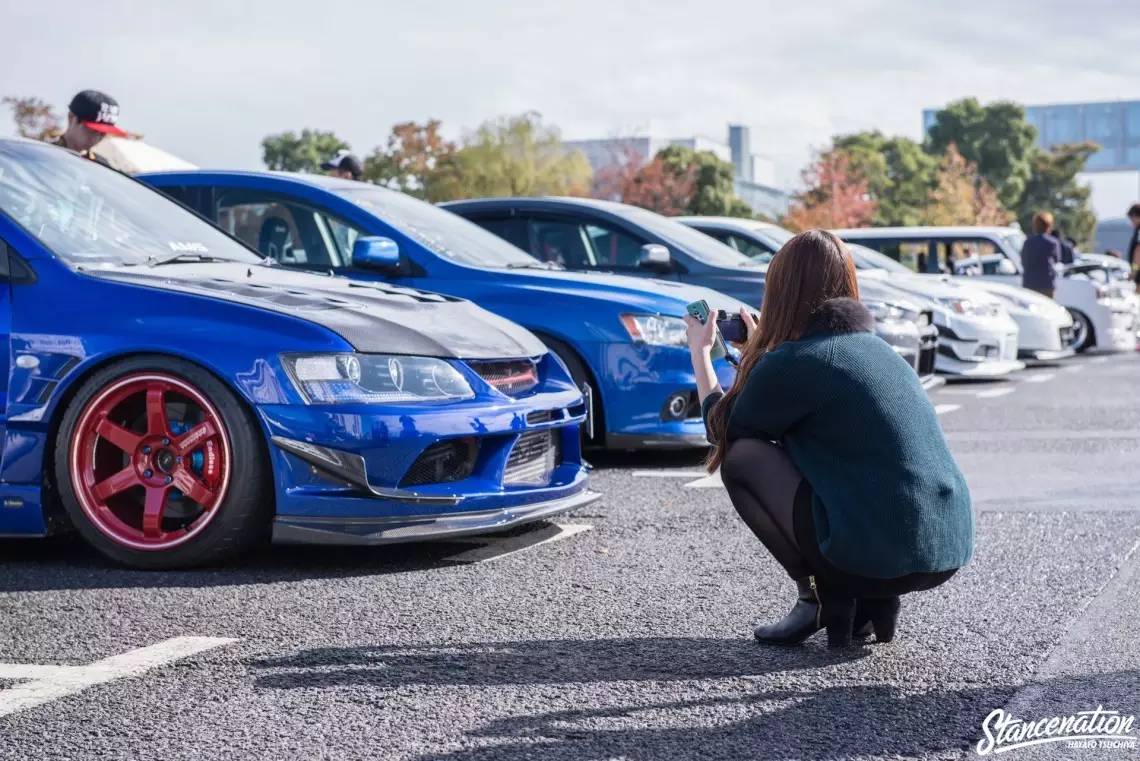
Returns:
(511, 156)
(34, 118)
(714, 191)
(289, 152)
(835, 195)
(1053, 187)
(899, 174)
(661, 187)
(408, 162)
(996, 137)
(961, 196)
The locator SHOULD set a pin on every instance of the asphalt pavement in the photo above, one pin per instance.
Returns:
(621, 631)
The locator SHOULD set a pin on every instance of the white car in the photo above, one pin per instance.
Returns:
(1101, 318)
(976, 335)
(906, 323)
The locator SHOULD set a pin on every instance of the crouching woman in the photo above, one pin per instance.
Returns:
(832, 453)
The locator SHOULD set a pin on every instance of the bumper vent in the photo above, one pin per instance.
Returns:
(511, 377)
(1067, 335)
(533, 459)
(442, 462)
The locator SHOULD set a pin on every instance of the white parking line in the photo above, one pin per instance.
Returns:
(1037, 378)
(942, 409)
(48, 683)
(707, 481)
(494, 548)
(994, 393)
(1072, 369)
(1098, 360)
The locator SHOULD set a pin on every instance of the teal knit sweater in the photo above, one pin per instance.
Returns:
(889, 499)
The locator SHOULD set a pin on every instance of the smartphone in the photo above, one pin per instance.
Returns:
(700, 310)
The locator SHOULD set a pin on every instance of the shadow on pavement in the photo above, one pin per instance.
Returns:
(692, 459)
(66, 562)
(558, 661)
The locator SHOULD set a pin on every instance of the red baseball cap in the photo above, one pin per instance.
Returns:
(97, 111)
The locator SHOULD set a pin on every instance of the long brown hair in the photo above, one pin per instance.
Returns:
(808, 270)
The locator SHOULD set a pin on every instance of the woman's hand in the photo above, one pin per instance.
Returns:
(701, 336)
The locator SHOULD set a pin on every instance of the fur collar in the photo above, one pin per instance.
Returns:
(839, 316)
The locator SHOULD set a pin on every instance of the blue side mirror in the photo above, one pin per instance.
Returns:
(375, 252)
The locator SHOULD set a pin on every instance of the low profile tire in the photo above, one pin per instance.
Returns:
(581, 377)
(159, 465)
(1084, 337)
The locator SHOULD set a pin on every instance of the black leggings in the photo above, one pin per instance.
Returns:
(774, 500)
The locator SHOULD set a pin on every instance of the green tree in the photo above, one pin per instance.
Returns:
(899, 173)
(290, 152)
(1053, 187)
(511, 156)
(995, 137)
(962, 197)
(410, 159)
(34, 118)
(714, 192)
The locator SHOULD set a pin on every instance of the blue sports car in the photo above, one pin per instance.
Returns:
(175, 397)
(622, 338)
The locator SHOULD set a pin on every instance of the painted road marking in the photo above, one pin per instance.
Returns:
(942, 409)
(707, 481)
(493, 548)
(43, 684)
(1073, 369)
(993, 393)
(1098, 360)
(1038, 378)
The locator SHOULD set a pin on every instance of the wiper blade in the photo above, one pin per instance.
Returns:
(155, 261)
(534, 266)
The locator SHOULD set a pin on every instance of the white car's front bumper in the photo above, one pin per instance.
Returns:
(1115, 324)
(976, 347)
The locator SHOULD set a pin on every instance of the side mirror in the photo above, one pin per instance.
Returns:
(375, 252)
(654, 257)
(1006, 267)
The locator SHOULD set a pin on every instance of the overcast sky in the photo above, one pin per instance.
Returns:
(209, 80)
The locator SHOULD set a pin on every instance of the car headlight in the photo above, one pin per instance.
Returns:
(966, 306)
(884, 311)
(374, 378)
(654, 329)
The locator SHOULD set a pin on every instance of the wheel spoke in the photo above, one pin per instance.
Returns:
(109, 487)
(197, 491)
(128, 441)
(156, 411)
(194, 438)
(152, 510)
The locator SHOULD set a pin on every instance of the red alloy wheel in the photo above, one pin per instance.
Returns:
(137, 480)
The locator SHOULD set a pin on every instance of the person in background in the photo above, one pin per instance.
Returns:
(1132, 253)
(831, 451)
(91, 116)
(344, 165)
(1040, 255)
(1068, 246)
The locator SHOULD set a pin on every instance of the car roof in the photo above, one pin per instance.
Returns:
(740, 223)
(885, 232)
(538, 201)
(209, 175)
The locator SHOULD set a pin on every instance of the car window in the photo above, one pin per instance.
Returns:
(612, 247)
(511, 229)
(750, 248)
(293, 234)
(562, 242)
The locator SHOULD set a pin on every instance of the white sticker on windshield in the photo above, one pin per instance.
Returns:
(187, 247)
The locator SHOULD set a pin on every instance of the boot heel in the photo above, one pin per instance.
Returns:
(884, 615)
(838, 616)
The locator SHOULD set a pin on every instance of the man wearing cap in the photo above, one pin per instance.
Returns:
(91, 116)
(344, 165)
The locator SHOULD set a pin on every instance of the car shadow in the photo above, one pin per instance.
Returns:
(66, 562)
(653, 459)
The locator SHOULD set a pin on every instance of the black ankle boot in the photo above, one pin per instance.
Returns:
(880, 614)
(800, 623)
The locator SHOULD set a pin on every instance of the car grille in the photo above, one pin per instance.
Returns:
(533, 459)
(443, 461)
(511, 377)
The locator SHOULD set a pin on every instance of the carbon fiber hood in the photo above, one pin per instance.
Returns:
(373, 317)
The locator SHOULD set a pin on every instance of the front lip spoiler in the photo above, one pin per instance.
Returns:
(412, 528)
(350, 467)
(1046, 355)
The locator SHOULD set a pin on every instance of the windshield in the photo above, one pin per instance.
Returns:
(90, 215)
(697, 244)
(869, 259)
(777, 235)
(449, 235)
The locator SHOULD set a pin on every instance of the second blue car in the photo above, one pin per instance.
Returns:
(622, 338)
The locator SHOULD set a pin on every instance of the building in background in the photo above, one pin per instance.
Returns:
(1113, 172)
(754, 173)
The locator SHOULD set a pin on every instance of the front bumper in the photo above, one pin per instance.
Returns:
(341, 530)
(977, 348)
(1115, 325)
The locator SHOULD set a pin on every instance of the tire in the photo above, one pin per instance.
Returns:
(1084, 337)
(159, 465)
(582, 378)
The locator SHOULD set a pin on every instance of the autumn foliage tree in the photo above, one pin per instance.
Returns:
(34, 118)
(410, 159)
(656, 185)
(961, 196)
(835, 195)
